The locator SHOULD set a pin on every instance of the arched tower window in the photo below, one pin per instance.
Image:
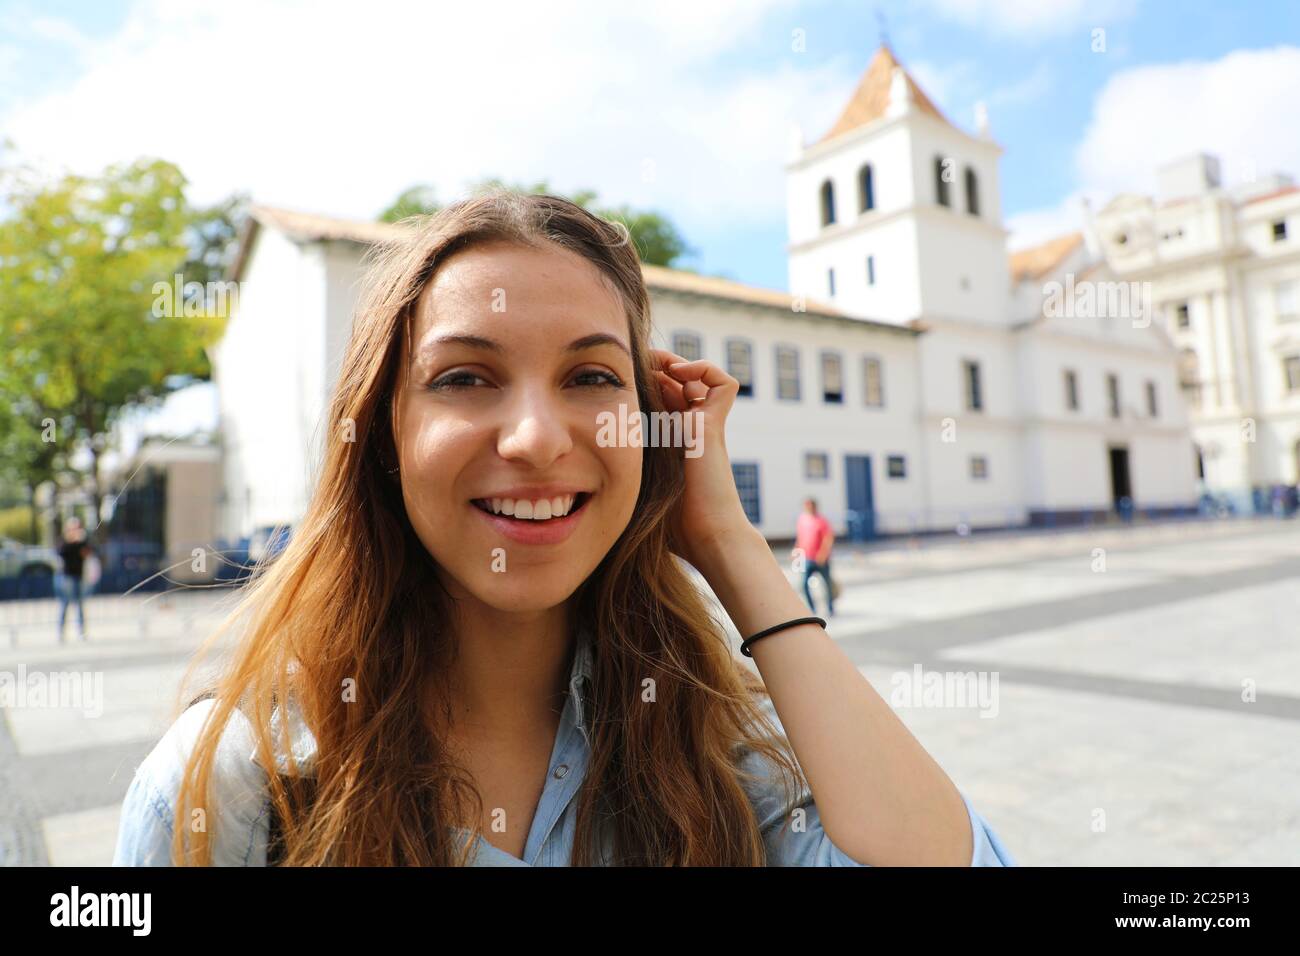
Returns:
(866, 189)
(828, 203)
(972, 192)
(940, 181)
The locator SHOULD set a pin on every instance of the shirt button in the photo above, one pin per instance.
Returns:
(560, 771)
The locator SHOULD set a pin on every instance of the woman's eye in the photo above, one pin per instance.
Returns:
(598, 378)
(591, 378)
(455, 380)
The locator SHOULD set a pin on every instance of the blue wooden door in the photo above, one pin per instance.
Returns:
(861, 515)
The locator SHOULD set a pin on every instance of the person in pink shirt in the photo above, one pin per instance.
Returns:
(814, 537)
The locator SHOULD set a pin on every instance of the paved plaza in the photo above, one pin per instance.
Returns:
(1141, 685)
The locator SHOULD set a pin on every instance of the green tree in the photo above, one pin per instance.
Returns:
(213, 239)
(34, 448)
(416, 201)
(85, 333)
(658, 241)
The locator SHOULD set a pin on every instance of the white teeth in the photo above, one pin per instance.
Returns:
(540, 510)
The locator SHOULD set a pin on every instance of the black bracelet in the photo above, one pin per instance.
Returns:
(744, 645)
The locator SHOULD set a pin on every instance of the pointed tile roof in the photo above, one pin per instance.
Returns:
(871, 99)
(1037, 261)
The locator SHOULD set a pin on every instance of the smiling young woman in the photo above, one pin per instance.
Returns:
(481, 646)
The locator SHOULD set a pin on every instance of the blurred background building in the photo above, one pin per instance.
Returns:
(911, 381)
(1224, 268)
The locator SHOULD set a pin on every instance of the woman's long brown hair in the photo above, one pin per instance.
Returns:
(354, 601)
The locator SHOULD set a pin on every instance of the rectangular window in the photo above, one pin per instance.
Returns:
(787, 373)
(746, 476)
(897, 466)
(1279, 230)
(1153, 407)
(1288, 302)
(873, 382)
(1292, 366)
(830, 281)
(1183, 314)
(974, 395)
(832, 379)
(687, 345)
(979, 467)
(1071, 390)
(816, 465)
(871, 270)
(740, 365)
(1112, 394)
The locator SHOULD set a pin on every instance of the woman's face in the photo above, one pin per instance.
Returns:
(515, 352)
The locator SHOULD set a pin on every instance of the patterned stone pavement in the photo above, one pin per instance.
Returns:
(1116, 732)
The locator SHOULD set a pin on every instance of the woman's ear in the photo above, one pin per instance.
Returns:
(389, 463)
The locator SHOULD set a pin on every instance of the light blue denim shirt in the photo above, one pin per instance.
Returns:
(240, 805)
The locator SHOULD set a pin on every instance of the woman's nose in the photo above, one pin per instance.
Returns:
(536, 429)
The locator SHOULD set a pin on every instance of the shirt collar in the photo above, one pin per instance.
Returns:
(580, 675)
(302, 743)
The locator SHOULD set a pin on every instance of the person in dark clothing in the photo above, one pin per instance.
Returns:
(73, 552)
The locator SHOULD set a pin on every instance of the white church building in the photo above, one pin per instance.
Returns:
(916, 377)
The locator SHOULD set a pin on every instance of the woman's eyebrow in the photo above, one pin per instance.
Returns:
(597, 338)
(491, 345)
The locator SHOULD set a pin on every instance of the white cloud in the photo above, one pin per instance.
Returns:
(1034, 18)
(325, 108)
(60, 32)
(1242, 108)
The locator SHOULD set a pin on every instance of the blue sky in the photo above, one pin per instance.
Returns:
(681, 109)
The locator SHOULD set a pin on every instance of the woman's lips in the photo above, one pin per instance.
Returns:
(530, 531)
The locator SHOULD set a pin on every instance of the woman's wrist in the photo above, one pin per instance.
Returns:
(722, 549)
(749, 582)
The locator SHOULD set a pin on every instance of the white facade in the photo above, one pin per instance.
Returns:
(926, 248)
(894, 442)
(275, 369)
(1223, 268)
(280, 359)
(777, 435)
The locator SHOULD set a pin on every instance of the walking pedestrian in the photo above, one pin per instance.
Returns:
(814, 537)
(73, 552)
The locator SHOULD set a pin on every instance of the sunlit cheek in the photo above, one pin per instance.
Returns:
(435, 451)
(623, 468)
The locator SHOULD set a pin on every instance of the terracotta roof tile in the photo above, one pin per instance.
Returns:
(1285, 190)
(871, 98)
(312, 228)
(1038, 261)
